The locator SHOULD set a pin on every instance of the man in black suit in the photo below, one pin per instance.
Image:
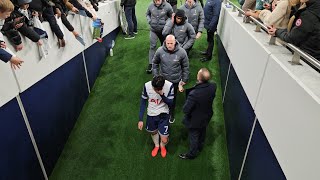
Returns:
(198, 112)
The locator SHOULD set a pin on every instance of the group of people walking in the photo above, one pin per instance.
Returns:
(177, 29)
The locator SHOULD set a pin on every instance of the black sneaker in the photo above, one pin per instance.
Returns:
(135, 32)
(149, 69)
(129, 37)
(205, 59)
(186, 156)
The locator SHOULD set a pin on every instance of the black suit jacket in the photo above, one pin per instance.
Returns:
(198, 106)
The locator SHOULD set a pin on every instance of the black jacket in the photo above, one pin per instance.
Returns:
(306, 31)
(12, 34)
(198, 106)
(128, 3)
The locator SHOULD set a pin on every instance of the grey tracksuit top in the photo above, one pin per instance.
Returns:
(174, 65)
(184, 33)
(195, 15)
(157, 16)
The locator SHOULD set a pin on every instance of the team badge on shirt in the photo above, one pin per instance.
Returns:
(298, 22)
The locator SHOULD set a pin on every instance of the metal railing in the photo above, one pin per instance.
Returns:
(298, 53)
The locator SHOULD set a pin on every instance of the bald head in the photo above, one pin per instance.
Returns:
(170, 42)
(203, 75)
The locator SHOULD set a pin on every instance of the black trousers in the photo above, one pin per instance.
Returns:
(210, 40)
(196, 138)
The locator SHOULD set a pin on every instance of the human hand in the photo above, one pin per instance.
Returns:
(160, 92)
(94, 17)
(3, 44)
(40, 42)
(249, 12)
(17, 26)
(58, 12)
(272, 30)
(15, 62)
(19, 47)
(198, 35)
(75, 10)
(140, 125)
(180, 87)
(266, 5)
(35, 13)
(172, 17)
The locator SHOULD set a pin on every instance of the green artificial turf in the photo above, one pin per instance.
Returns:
(105, 142)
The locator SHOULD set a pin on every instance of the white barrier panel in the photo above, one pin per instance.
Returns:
(8, 87)
(289, 114)
(246, 54)
(34, 69)
(288, 101)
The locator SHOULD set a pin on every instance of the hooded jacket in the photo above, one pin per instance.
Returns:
(158, 15)
(174, 65)
(306, 31)
(195, 15)
(183, 32)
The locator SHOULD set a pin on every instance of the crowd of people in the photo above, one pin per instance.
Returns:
(22, 17)
(293, 21)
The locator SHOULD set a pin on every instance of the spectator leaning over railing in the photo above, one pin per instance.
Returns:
(279, 17)
(45, 8)
(21, 21)
(6, 7)
(305, 33)
(61, 11)
(195, 15)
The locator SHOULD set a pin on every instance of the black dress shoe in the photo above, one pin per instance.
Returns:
(149, 69)
(185, 156)
(205, 59)
(203, 53)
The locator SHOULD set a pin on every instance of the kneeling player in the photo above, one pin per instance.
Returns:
(159, 93)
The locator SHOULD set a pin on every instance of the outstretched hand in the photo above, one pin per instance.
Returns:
(140, 125)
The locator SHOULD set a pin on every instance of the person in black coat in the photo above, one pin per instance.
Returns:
(198, 112)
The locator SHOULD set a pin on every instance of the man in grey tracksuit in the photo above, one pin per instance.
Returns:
(157, 14)
(195, 15)
(171, 61)
(182, 30)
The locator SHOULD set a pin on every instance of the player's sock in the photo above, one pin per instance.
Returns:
(155, 138)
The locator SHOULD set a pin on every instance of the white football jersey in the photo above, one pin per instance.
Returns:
(156, 105)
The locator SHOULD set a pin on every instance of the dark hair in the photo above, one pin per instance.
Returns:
(158, 82)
